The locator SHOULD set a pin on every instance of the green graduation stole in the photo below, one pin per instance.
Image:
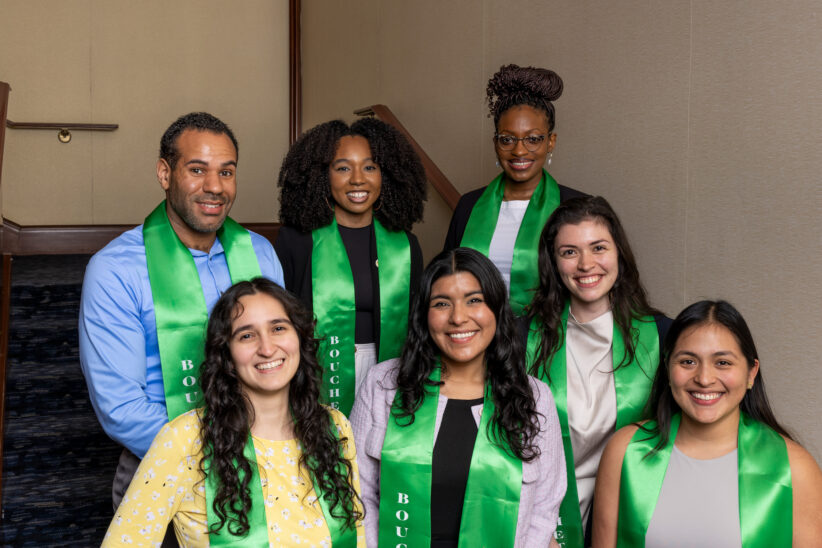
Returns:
(633, 385)
(332, 290)
(483, 222)
(179, 304)
(765, 490)
(491, 505)
(257, 535)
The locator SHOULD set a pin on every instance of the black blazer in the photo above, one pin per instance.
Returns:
(294, 251)
(466, 204)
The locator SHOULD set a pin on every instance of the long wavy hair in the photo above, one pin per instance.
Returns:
(228, 415)
(628, 298)
(513, 85)
(662, 406)
(514, 424)
(305, 195)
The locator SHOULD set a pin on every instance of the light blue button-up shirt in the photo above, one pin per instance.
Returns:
(119, 353)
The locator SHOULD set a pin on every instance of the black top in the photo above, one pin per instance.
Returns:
(294, 251)
(463, 211)
(449, 470)
(357, 244)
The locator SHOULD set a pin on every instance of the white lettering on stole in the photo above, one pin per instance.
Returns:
(402, 515)
(334, 366)
(191, 397)
(189, 381)
(187, 365)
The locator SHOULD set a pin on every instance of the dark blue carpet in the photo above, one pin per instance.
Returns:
(57, 462)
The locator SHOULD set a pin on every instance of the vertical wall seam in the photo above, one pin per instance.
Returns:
(688, 197)
(91, 98)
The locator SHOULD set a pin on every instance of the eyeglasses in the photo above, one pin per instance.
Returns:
(509, 142)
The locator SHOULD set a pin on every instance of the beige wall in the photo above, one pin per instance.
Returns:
(138, 64)
(699, 121)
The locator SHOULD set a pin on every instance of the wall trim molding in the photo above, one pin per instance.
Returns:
(79, 239)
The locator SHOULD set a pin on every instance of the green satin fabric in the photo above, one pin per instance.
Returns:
(257, 536)
(632, 383)
(765, 488)
(395, 289)
(491, 505)
(640, 483)
(179, 304)
(483, 222)
(332, 289)
(341, 536)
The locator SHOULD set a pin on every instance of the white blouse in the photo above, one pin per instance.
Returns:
(501, 248)
(592, 407)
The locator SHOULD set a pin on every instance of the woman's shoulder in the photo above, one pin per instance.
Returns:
(189, 419)
(615, 448)
(566, 193)
(340, 420)
(383, 375)
(181, 435)
(803, 466)
(288, 234)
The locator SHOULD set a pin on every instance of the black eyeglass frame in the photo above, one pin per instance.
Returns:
(525, 141)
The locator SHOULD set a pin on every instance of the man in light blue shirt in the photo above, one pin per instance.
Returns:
(119, 350)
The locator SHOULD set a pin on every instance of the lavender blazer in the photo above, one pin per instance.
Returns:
(543, 479)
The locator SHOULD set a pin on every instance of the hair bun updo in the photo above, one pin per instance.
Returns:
(513, 85)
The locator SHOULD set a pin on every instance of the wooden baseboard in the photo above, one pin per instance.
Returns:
(78, 239)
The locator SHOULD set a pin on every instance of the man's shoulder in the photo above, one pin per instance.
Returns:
(122, 254)
(129, 243)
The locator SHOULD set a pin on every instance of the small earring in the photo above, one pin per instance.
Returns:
(498, 164)
(549, 157)
(329, 205)
(750, 385)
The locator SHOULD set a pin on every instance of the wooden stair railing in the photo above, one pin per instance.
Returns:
(436, 177)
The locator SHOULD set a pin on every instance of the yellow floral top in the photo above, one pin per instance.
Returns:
(168, 487)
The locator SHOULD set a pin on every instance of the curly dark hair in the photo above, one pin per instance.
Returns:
(198, 121)
(306, 191)
(628, 297)
(228, 415)
(514, 424)
(662, 406)
(513, 85)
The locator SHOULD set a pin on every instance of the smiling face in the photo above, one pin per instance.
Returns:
(201, 188)
(264, 347)
(588, 263)
(709, 375)
(355, 181)
(523, 167)
(459, 321)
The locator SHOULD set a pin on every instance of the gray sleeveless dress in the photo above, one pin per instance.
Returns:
(698, 504)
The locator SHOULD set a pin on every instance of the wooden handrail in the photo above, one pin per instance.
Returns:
(4, 104)
(295, 101)
(436, 177)
(58, 125)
